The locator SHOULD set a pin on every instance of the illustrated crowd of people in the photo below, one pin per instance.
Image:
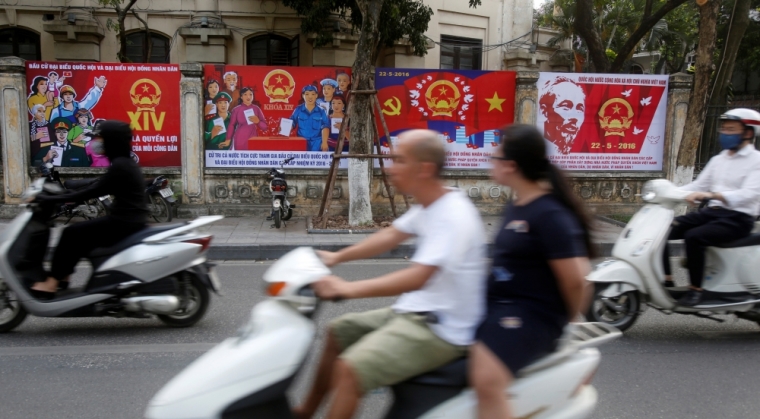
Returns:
(60, 123)
(232, 115)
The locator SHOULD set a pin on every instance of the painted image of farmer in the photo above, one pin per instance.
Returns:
(312, 121)
(212, 89)
(338, 112)
(242, 127)
(72, 156)
(78, 134)
(68, 107)
(328, 91)
(230, 87)
(38, 96)
(344, 83)
(213, 136)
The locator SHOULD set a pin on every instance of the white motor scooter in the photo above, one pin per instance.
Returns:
(158, 271)
(247, 376)
(633, 278)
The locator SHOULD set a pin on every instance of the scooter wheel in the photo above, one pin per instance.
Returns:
(12, 313)
(620, 312)
(198, 299)
(277, 215)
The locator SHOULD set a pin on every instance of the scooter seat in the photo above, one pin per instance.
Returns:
(751, 240)
(149, 181)
(453, 374)
(131, 240)
(78, 183)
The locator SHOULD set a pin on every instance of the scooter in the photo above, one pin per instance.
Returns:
(633, 278)
(247, 376)
(159, 271)
(88, 210)
(282, 210)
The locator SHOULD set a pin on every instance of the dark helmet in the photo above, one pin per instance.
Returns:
(117, 138)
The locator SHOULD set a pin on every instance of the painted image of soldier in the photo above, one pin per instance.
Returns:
(78, 134)
(312, 121)
(72, 156)
(563, 105)
(231, 80)
(329, 86)
(68, 107)
(215, 135)
(247, 121)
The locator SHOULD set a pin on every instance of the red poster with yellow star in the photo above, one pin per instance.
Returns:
(466, 107)
(605, 122)
(67, 100)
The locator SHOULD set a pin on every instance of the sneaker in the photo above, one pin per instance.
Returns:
(691, 299)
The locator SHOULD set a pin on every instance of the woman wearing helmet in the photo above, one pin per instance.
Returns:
(730, 183)
(129, 212)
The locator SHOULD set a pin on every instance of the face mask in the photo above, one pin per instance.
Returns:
(730, 141)
(97, 148)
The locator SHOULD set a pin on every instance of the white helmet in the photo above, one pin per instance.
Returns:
(750, 118)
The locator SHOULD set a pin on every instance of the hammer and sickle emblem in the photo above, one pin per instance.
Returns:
(392, 110)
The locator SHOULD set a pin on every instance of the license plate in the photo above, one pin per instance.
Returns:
(166, 192)
(214, 280)
(277, 203)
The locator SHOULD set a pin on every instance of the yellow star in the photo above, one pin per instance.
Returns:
(616, 109)
(145, 88)
(443, 90)
(495, 102)
(279, 79)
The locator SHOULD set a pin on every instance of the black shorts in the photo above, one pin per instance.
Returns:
(517, 335)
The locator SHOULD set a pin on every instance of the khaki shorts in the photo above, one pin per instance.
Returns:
(385, 348)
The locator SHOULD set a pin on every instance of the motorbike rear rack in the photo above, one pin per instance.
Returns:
(577, 336)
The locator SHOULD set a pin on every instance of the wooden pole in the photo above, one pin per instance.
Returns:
(387, 136)
(381, 160)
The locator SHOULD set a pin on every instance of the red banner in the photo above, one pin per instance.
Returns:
(256, 116)
(68, 99)
(467, 107)
(603, 121)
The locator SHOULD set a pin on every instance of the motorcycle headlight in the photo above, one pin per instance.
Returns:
(305, 300)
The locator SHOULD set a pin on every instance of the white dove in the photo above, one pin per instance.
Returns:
(465, 107)
(646, 101)
(456, 79)
(460, 112)
(637, 131)
(425, 113)
(463, 117)
(414, 94)
(468, 98)
(430, 77)
(421, 109)
(627, 93)
(419, 86)
(415, 103)
(466, 89)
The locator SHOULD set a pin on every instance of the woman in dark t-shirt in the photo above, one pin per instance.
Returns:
(537, 281)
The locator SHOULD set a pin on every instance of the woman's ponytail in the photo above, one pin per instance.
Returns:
(563, 192)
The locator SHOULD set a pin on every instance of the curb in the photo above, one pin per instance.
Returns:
(311, 230)
(276, 251)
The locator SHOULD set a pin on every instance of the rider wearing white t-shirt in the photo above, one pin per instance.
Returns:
(442, 292)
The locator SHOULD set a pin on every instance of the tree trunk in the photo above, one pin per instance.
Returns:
(122, 55)
(695, 117)
(360, 125)
(148, 39)
(584, 26)
(737, 27)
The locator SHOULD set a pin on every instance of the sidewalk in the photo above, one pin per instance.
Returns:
(253, 238)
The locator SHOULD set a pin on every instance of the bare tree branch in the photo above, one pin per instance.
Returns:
(646, 25)
(148, 39)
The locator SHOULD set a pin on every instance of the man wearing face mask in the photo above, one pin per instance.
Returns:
(730, 183)
(129, 212)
